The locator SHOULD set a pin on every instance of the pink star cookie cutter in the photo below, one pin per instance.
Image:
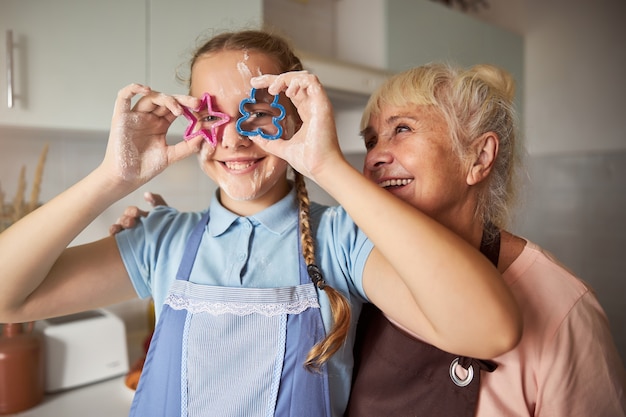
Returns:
(210, 134)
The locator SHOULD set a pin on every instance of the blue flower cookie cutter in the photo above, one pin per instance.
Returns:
(245, 115)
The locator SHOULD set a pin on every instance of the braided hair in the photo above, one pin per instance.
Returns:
(340, 308)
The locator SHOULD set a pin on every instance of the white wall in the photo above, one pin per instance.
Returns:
(575, 69)
(575, 133)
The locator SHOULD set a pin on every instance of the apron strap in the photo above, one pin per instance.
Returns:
(490, 243)
(304, 330)
(191, 249)
(162, 396)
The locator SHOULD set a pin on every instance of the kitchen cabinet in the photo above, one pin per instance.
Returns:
(420, 32)
(70, 57)
(425, 31)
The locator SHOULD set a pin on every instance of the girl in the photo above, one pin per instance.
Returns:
(242, 303)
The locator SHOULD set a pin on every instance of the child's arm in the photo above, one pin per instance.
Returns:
(420, 274)
(39, 277)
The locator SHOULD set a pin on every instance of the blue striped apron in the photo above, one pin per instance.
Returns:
(233, 352)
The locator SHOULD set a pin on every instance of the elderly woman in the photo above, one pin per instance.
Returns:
(444, 139)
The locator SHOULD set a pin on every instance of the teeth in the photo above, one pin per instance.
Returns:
(238, 165)
(395, 182)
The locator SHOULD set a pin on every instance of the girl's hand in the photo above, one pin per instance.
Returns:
(137, 150)
(315, 144)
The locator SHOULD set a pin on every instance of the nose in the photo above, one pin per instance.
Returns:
(231, 139)
(377, 157)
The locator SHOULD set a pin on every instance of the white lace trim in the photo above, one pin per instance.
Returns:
(194, 306)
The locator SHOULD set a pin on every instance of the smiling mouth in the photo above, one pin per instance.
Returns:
(239, 165)
(395, 183)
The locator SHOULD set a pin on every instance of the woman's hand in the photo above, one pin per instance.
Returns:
(132, 214)
(137, 149)
(315, 144)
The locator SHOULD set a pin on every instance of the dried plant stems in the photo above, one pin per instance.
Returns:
(18, 208)
(34, 194)
(18, 201)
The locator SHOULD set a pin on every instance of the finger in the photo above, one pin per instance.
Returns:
(302, 87)
(159, 104)
(132, 211)
(263, 81)
(276, 84)
(114, 229)
(125, 95)
(188, 101)
(162, 111)
(128, 222)
(196, 143)
(154, 199)
(182, 150)
(270, 146)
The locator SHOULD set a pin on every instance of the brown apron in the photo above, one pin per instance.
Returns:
(396, 375)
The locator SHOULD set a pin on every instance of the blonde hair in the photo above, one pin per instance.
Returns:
(473, 101)
(280, 50)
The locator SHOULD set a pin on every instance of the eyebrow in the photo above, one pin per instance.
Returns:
(390, 120)
(365, 131)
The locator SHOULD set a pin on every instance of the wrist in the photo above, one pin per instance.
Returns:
(110, 185)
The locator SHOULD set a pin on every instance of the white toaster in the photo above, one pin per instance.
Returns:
(83, 348)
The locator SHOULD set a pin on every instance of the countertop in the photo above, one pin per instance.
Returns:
(109, 398)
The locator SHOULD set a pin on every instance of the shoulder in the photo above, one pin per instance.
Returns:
(334, 223)
(537, 267)
(163, 217)
(565, 327)
(330, 214)
(546, 290)
(318, 209)
(163, 226)
(342, 247)
(552, 298)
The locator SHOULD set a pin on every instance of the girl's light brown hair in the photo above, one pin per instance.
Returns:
(281, 51)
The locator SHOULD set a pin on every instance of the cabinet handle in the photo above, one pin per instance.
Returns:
(10, 68)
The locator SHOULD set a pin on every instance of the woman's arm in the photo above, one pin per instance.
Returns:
(420, 274)
(39, 277)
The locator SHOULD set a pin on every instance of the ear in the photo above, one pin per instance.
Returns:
(487, 146)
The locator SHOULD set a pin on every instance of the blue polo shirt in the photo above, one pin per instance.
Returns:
(255, 251)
